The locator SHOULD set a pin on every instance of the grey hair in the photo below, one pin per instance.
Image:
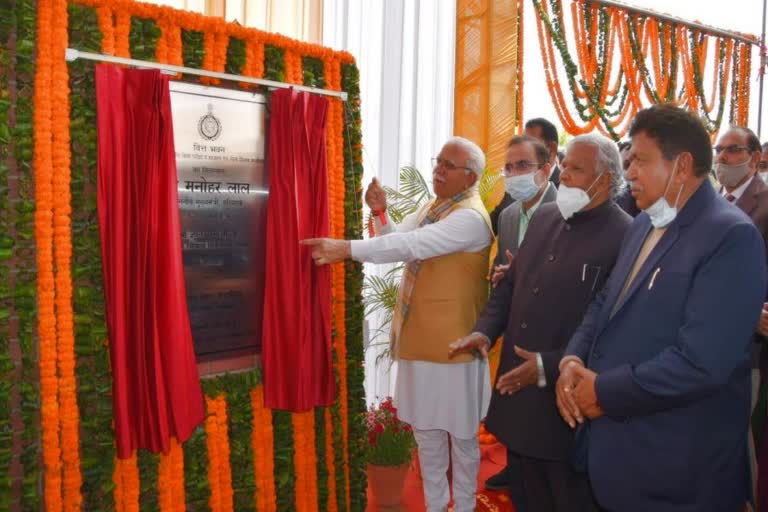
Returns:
(608, 157)
(475, 155)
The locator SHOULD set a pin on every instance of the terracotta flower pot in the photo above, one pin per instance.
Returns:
(387, 484)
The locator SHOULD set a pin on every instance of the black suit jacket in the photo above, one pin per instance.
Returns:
(559, 267)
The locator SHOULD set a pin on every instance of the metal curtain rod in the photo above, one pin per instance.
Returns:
(673, 19)
(73, 54)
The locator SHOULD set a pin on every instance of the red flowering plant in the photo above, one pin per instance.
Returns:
(390, 441)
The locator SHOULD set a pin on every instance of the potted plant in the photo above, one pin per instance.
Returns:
(389, 452)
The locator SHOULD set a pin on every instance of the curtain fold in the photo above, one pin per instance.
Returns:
(156, 388)
(296, 336)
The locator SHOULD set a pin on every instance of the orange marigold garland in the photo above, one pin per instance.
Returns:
(305, 461)
(43, 175)
(336, 186)
(67, 386)
(123, 33)
(217, 441)
(170, 479)
(126, 480)
(107, 28)
(263, 450)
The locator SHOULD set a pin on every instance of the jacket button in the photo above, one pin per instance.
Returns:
(524, 325)
(551, 257)
(536, 291)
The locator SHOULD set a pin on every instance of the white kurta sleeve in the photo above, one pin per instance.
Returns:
(461, 231)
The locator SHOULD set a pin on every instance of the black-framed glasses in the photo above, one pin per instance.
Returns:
(520, 167)
(733, 149)
(448, 165)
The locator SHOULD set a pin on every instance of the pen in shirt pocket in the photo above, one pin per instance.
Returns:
(653, 278)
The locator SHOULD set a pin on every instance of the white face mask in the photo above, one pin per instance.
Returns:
(731, 175)
(660, 212)
(571, 200)
(523, 187)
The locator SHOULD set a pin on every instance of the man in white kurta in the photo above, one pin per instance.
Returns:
(445, 247)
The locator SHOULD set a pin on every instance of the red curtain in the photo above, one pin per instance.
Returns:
(156, 389)
(296, 335)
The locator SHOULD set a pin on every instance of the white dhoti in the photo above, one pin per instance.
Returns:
(438, 401)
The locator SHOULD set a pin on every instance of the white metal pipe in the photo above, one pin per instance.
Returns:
(73, 54)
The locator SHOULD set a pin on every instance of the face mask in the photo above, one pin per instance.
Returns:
(764, 176)
(523, 187)
(660, 212)
(571, 200)
(731, 175)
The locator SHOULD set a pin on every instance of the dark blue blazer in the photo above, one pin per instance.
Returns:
(673, 363)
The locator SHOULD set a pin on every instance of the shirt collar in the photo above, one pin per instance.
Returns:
(739, 191)
(536, 205)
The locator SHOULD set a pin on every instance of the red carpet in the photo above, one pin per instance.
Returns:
(493, 458)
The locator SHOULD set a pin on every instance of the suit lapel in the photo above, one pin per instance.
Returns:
(666, 242)
(622, 269)
(514, 228)
(748, 200)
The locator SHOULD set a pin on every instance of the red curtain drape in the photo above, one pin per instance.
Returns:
(156, 389)
(296, 336)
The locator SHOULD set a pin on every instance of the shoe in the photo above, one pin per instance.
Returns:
(498, 482)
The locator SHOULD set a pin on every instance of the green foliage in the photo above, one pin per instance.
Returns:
(285, 474)
(22, 12)
(390, 442)
(92, 362)
(143, 38)
(353, 283)
(412, 193)
(235, 56)
(7, 62)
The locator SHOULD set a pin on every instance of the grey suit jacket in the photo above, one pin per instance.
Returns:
(509, 222)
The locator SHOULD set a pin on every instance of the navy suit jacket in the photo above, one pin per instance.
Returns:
(673, 363)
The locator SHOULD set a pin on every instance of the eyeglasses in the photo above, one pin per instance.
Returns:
(733, 149)
(520, 167)
(448, 165)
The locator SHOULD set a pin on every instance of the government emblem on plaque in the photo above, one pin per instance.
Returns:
(209, 125)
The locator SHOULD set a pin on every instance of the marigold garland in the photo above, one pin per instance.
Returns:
(305, 461)
(127, 486)
(263, 453)
(677, 55)
(170, 480)
(336, 186)
(67, 386)
(59, 411)
(107, 29)
(43, 169)
(217, 442)
(330, 464)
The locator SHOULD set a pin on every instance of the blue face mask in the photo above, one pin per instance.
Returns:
(523, 187)
(660, 212)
